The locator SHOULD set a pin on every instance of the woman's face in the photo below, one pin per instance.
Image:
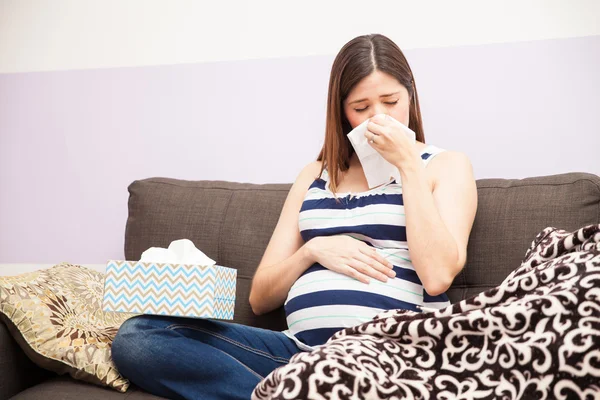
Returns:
(378, 93)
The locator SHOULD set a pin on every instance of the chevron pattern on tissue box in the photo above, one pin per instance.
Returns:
(170, 289)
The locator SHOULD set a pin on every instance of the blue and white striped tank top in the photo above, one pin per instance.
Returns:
(321, 301)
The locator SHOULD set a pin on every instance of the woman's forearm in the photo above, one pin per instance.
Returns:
(433, 250)
(271, 284)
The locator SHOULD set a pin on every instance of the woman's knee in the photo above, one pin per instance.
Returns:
(132, 346)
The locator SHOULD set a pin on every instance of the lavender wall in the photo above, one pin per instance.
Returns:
(71, 141)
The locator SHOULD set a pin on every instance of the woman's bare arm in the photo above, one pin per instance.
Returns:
(286, 256)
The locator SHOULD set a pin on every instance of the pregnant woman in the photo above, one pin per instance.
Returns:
(341, 252)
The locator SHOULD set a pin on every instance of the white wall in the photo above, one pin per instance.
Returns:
(38, 35)
(88, 87)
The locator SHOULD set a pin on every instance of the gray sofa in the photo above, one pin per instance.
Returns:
(232, 223)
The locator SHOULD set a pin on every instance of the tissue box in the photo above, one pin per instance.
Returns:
(181, 290)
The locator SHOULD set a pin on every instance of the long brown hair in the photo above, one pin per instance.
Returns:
(357, 59)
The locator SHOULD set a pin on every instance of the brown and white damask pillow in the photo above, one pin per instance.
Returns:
(56, 317)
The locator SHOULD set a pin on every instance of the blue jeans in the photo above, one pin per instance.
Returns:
(186, 358)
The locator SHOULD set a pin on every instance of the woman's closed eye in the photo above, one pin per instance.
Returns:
(363, 109)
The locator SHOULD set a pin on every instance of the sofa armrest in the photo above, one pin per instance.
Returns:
(17, 372)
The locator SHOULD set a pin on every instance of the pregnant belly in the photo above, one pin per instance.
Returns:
(322, 302)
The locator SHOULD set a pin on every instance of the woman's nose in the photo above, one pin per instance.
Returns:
(379, 109)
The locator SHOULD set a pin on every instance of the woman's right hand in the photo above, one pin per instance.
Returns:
(349, 256)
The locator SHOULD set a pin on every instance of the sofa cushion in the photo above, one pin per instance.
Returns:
(510, 213)
(230, 222)
(65, 388)
(233, 222)
(17, 372)
(56, 317)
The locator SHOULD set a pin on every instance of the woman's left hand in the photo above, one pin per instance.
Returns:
(391, 141)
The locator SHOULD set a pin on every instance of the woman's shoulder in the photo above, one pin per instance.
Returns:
(441, 161)
(445, 155)
(445, 164)
(442, 154)
(313, 168)
(308, 174)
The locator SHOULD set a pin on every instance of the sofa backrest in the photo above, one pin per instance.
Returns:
(233, 222)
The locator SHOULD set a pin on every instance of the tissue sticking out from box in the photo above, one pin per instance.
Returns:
(180, 251)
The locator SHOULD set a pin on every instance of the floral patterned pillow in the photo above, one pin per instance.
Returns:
(56, 317)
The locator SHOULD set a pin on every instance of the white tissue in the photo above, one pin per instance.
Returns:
(376, 168)
(180, 251)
